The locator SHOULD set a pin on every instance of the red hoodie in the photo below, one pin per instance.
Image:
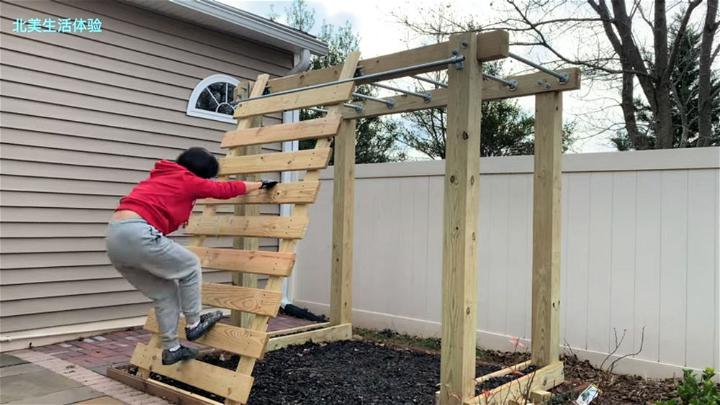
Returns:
(165, 199)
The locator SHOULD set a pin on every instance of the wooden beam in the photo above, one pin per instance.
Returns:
(253, 300)
(541, 397)
(459, 286)
(246, 261)
(239, 318)
(329, 334)
(260, 226)
(545, 341)
(300, 192)
(343, 221)
(492, 45)
(225, 337)
(529, 84)
(156, 388)
(274, 162)
(205, 376)
(309, 129)
(378, 64)
(505, 371)
(298, 329)
(292, 101)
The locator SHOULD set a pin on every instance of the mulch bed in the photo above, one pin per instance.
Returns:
(374, 372)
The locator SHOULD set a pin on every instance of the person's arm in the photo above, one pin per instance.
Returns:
(203, 188)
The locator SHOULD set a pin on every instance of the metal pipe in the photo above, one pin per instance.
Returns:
(512, 84)
(435, 82)
(356, 107)
(388, 103)
(562, 77)
(378, 75)
(316, 109)
(425, 96)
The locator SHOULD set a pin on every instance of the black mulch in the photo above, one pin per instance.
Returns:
(348, 372)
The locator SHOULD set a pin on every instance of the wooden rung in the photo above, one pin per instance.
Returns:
(217, 380)
(307, 98)
(253, 300)
(301, 192)
(245, 342)
(257, 226)
(246, 261)
(274, 162)
(310, 129)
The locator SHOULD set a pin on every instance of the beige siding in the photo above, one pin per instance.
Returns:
(83, 118)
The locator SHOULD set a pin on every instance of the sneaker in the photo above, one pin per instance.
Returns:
(206, 322)
(183, 353)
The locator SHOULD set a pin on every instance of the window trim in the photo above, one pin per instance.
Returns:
(192, 111)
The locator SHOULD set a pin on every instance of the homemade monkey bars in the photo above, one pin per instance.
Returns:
(329, 90)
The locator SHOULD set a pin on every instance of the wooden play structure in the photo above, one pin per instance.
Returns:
(330, 91)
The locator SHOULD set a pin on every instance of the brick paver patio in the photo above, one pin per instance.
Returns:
(79, 367)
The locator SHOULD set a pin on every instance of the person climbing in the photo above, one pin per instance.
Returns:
(160, 268)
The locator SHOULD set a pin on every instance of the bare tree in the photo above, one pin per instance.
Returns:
(616, 40)
(707, 56)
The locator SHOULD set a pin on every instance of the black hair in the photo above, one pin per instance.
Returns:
(199, 161)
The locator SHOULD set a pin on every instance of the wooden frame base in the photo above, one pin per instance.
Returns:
(324, 334)
(518, 390)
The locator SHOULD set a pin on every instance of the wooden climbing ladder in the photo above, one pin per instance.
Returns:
(250, 342)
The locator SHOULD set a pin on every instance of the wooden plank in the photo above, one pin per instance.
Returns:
(377, 64)
(253, 300)
(171, 394)
(459, 286)
(225, 337)
(260, 226)
(329, 334)
(301, 192)
(205, 376)
(310, 129)
(529, 84)
(292, 101)
(246, 261)
(505, 371)
(298, 329)
(542, 379)
(492, 45)
(275, 162)
(545, 341)
(343, 223)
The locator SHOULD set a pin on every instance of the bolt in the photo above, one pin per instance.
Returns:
(464, 44)
(452, 179)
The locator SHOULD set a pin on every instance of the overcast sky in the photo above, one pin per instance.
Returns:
(381, 34)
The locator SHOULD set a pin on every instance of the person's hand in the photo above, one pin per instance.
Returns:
(268, 184)
(252, 186)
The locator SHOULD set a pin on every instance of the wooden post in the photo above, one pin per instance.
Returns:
(462, 168)
(546, 229)
(343, 207)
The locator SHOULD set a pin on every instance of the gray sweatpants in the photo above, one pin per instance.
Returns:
(160, 268)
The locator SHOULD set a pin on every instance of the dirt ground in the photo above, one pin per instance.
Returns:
(385, 368)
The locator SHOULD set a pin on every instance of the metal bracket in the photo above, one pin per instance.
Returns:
(459, 65)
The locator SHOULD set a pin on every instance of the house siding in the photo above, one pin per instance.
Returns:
(83, 118)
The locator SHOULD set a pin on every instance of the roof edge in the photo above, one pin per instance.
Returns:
(269, 31)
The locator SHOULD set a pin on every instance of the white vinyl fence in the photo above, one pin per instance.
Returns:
(640, 252)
